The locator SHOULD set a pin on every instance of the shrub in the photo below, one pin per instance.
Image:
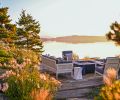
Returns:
(22, 79)
(21, 54)
(94, 92)
(75, 56)
(111, 90)
(25, 82)
(5, 54)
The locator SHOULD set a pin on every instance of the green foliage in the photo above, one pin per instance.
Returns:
(27, 78)
(95, 91)
(7, 30)
(28, 33)
(21, 54)
(21, 86)
(111, 92)
(22, 61)
(4, 18)
(5, 55)
(114, 34)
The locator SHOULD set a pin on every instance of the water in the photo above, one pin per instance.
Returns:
(100, 49)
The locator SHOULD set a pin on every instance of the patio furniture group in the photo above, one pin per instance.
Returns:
(59, 66)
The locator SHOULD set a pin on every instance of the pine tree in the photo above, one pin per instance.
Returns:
(7, 35)
(114, 33)
(28, 33)
(7, 30)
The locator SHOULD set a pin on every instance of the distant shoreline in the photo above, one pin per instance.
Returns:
(77, 39)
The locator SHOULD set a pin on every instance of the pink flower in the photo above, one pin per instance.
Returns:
(21, 66)
(1, 77)
(5, 87)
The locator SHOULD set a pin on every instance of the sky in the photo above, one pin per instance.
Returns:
(68, 17)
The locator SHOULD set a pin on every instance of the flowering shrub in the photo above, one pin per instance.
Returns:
(48, 88)
(111, 90)
(22, 80)
(21, 54)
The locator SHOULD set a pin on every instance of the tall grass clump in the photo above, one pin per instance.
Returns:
(111, 89)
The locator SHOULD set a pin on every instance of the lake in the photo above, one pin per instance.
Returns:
(99, 49)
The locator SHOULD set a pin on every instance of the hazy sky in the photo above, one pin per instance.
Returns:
(68, 17)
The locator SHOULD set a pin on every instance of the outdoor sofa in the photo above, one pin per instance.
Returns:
(57, 65)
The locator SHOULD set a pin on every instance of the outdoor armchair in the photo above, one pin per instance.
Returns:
(111, 62)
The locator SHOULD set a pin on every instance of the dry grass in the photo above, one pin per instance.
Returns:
(41, 95)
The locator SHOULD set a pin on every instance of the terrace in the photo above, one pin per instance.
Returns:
(78, 78)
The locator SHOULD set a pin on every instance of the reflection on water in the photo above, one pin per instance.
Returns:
(101, 49)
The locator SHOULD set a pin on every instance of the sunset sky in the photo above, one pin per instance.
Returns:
(68, 17)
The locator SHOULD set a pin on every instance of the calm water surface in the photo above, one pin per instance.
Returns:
(100, 49)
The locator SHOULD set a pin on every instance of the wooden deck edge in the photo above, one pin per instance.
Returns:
(80, 87)
(77, 93)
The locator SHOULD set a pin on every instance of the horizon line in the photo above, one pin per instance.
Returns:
(47, 36)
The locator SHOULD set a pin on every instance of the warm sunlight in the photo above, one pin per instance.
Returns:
(59, 50)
